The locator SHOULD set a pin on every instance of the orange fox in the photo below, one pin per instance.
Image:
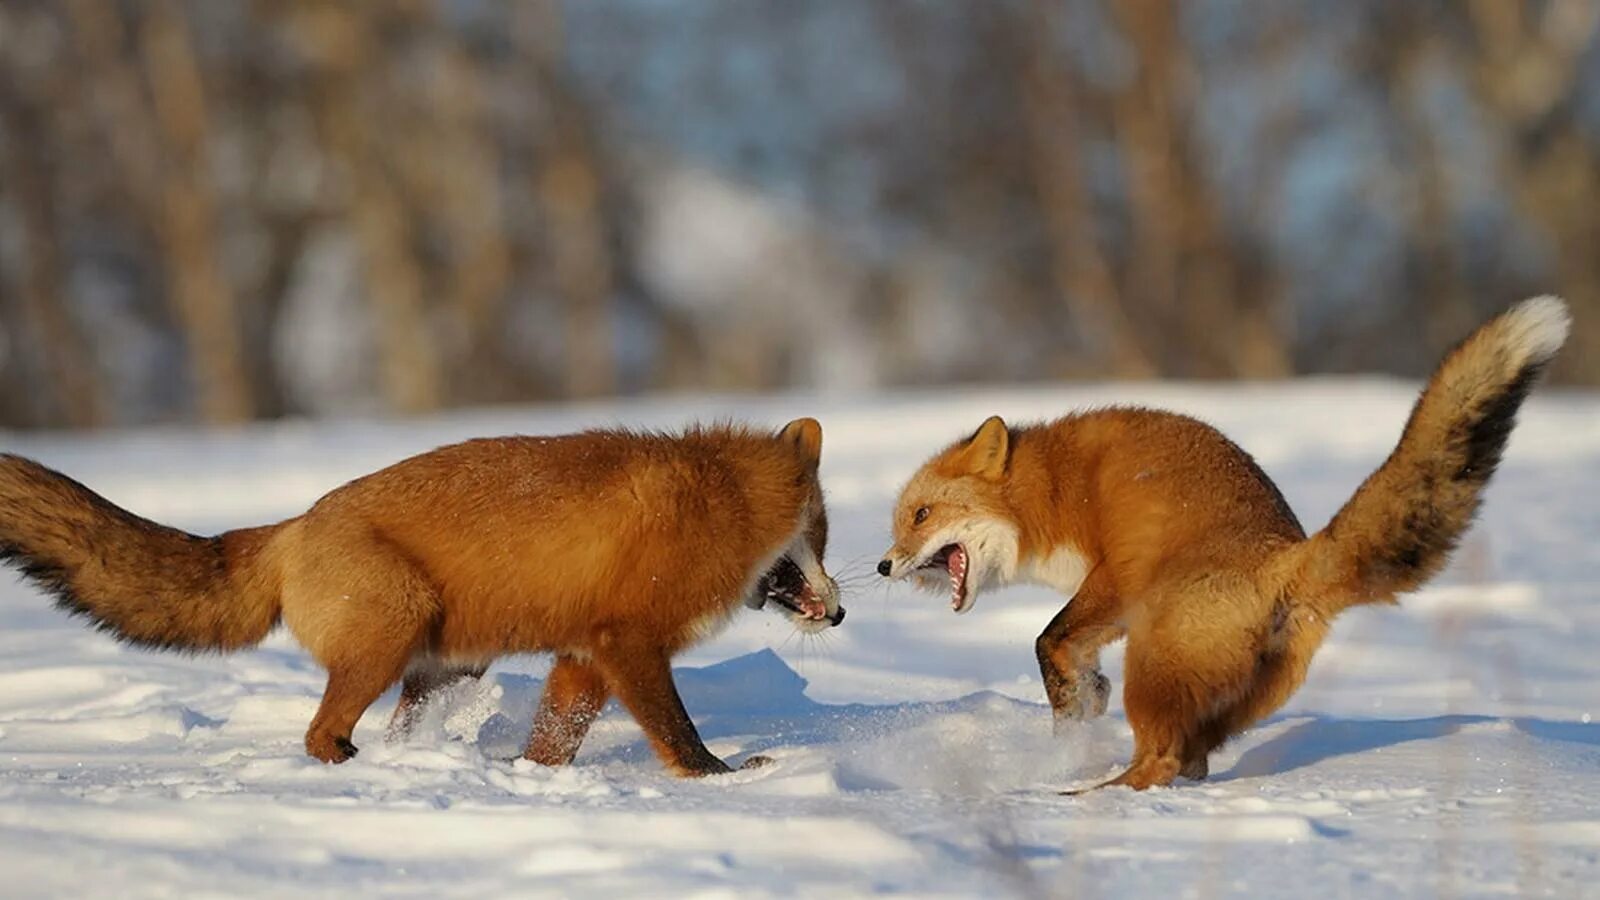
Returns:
(1159, 528)
(612, 549)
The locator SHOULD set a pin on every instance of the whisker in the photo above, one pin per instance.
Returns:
(825, 643)
(853, 572)
(857, 560)
(811, 643)
(853, 584)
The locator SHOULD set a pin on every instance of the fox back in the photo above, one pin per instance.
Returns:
(534, 542)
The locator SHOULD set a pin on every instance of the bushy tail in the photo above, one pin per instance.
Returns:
(145, 583)
(1403, 523)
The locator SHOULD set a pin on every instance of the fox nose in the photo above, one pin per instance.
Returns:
(885, 567)
(837, 617)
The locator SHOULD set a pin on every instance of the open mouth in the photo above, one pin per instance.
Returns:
(952, 560)
(786, 586)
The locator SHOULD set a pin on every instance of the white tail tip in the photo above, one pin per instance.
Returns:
(1536, 328)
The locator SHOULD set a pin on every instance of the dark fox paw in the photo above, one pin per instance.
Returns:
(756, 762)
(330, 749)
(1085, 697)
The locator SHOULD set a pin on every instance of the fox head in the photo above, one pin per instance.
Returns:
(953, 528)
(795, 581)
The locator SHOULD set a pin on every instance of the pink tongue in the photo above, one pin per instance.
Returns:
(957, 565)
(811, 607)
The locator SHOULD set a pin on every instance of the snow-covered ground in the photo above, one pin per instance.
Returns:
(1444, 748)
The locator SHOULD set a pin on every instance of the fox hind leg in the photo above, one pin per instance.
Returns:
(351, 689)
(1159, 713)
(1163, 700)
(1196, 764)
(1184, 697)
(1282, 669)
(362, 609)
(421, 684)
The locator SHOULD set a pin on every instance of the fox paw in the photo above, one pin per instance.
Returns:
(330, 749)
(1085, 697)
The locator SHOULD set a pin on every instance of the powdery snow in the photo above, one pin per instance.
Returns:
(1444, 748)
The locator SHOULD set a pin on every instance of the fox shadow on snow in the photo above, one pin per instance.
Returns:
(754, 701)
(759, 700)
(755, 696)
(1324, 738)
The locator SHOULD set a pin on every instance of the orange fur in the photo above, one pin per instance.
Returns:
(1161, 529)
(612, 549)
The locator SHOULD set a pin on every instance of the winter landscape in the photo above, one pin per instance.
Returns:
(249, 251)
(1443, 748)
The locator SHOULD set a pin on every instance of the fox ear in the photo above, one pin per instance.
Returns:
(986, 452)
(806, 436)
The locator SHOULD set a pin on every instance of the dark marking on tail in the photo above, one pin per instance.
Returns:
(142, 582)
(1487, 436)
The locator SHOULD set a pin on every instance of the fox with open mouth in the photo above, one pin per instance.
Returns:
(1160, 529)
(613, 550)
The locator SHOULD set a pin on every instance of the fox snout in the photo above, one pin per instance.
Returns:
(831, 613)
(894, 566)
(811, 600)
(898, 562)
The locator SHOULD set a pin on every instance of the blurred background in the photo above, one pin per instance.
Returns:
(224, 211)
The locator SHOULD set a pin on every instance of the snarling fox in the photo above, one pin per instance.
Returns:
(1160, 529)
(611, 549)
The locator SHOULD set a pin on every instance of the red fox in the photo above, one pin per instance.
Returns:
(611, 549)
(1161, 529)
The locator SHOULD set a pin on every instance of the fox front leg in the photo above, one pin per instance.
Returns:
(1075, 696)
(1069, 655)
(641, 677)
(574, 694)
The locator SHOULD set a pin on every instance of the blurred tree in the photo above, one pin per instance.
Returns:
(222, 211)
(59, 364)
(567, 188)
(340, 44)
(1528, 63)
(159, 137)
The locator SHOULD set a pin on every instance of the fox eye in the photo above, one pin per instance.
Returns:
(921, 516)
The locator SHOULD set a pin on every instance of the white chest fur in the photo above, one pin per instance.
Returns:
(1064, 569)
